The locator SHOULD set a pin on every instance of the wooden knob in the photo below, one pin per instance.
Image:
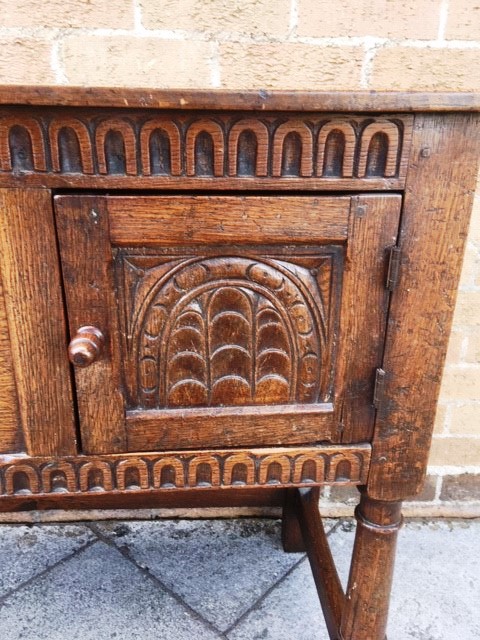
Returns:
(86, 347)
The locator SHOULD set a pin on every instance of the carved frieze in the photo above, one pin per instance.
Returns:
(187, 469)
(241, 147)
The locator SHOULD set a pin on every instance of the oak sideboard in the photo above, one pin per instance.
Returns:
(216, 298)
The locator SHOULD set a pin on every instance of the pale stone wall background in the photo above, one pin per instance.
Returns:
(284, 44)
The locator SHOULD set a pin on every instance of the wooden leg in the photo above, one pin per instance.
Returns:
(368, 594)
(292, 538)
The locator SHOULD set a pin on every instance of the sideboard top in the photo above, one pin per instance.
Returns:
(339, 101)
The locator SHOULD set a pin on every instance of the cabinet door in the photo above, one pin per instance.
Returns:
(220, 321)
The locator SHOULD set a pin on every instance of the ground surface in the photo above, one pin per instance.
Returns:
(211, 579)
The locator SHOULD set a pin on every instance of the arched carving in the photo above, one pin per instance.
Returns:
(103, 469)
(135, 134)
(354, 467)
(390, 130)
(173, 134)
(305, 135)
(99, 143)
(318, 463)
(168, 462)
(214, 471)
(349, 143)
(214, 130)
(261, 135)
(282, 461)
(83, 139)
(233, 331)
(347, 464)
(65, 468)
(141, 468)
(128, 136)
(34, 131)
(15, 476)
(238, 459)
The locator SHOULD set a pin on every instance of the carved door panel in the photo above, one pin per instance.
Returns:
(218, 321)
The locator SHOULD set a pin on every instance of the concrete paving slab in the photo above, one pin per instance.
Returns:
(234, 573)
(26, 551)
(220, 567)
(436, 593)
(292, 609)
(436, 586)
(97, 595)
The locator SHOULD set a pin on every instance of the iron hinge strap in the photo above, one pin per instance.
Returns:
(379, 388)
(393, 272)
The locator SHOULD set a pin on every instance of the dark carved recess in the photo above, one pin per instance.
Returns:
(239, 146)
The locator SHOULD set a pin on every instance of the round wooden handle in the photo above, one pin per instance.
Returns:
(86, 347)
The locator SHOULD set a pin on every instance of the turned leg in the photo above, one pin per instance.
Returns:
(368, 594)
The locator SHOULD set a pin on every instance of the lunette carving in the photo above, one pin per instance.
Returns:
(188, 469)
(344, 152)
(20, 479)
(387, 142)
(59, 477)
(62, 127)
(168, 128)
(225, 330)
(95, 475)
(132, 473)
(293, 129)
(215, 133)
(31, 150)
(154, 144)
(260, 153)
(126, 136)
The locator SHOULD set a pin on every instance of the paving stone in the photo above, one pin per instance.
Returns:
(344, 494)
(435, 595)
(436, 591)
(292, 609)
(26, 551)
(95, 595)
(220, 567)
(99, 594)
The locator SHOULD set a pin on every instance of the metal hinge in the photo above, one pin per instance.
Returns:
(393, 272)
(379, 388)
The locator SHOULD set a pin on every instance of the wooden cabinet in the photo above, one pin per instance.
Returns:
(212, 299)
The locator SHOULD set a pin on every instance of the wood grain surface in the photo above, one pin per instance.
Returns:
(184, 220)
(230, 426)
(33, 298)
(22, 475)
(11, 438)
(438, 200)
(341, 101)
(373, 228)
(88, 281)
